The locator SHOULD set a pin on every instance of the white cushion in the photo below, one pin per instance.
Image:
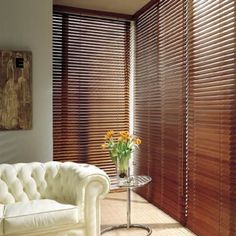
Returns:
(1, 218)
(38, 214)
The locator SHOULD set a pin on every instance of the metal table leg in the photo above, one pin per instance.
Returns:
(128, 208)
(128, 225)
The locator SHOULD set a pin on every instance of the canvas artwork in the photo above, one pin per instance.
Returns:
(15, 90)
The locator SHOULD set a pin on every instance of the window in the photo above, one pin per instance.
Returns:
(211, 120)
(186, 55)
(184, 102)
(90, 86)
(159, 107)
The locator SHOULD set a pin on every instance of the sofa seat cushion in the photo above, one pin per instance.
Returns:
(1, 218)
(38, 214)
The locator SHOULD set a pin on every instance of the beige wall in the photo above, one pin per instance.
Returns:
(27, 25)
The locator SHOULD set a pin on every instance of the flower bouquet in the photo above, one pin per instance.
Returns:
(120, 146)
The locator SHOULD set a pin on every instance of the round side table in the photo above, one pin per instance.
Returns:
(129, 183)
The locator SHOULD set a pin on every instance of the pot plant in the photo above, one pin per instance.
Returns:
(120, 146)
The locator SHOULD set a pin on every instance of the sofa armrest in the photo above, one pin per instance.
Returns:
(88, 185)
(94, 188)
(96, 183)
(70, 183)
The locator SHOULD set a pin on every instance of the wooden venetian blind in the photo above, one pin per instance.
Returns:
(146, 95)
(90, 86)
(211, 123)
(160, 103)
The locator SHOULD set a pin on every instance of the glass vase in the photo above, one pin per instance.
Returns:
(122, 166)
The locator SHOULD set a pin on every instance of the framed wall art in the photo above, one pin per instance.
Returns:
(15, 90)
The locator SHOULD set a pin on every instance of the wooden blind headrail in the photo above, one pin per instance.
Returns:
(88, 12)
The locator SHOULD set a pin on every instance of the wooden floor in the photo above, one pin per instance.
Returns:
(114, 212)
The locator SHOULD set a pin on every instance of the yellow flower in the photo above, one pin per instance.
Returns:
(104, 146)
(109, 134)
(124, 135)
(137, 141)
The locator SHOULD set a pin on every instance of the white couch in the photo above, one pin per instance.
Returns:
(53, 198)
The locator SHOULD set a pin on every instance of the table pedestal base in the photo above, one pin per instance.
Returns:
(131, 182)
(124, 226)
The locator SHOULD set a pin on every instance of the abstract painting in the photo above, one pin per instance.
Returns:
(15, 90)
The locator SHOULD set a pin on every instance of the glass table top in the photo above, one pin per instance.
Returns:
(133, 181)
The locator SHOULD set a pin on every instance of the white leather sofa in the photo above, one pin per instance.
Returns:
(53, 198)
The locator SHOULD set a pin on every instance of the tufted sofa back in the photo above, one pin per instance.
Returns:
(30, 181)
